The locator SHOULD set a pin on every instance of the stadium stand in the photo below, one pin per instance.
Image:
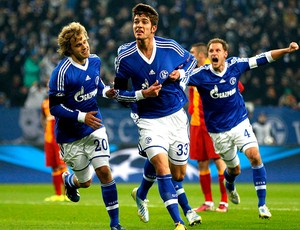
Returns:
(250, 27)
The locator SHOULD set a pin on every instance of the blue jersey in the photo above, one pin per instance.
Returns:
(167, 56)
(223, 105)
(76, 87)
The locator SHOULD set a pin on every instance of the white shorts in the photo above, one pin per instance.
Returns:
(227, 143)
(86, 155)
(169, 135)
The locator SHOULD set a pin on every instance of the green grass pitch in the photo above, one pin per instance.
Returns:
(22, 207)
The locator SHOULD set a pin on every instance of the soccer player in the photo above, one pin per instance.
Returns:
(226, 116)
(153, 64)
(52, 154)
(201, 146)
(74, 86)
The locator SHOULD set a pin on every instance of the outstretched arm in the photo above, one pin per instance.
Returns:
(278, 53)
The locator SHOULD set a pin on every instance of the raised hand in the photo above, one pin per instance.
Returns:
(293, 46)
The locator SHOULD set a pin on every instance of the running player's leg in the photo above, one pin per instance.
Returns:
(154, 141)
(259, 180)
(81, 176)
(149, 177)
(165, 186)
(223, 205)
(178, 157)
(100, 162)
(224, 146)
(192, 217)
(249, 145)
(58, 167)
(200, 144)
(140, 194)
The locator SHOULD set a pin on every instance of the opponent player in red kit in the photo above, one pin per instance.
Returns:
(52, 154)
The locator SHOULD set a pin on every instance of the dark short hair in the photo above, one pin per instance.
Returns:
(200, 47)
(149, 11)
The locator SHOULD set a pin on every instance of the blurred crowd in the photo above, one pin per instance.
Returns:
(29, 28)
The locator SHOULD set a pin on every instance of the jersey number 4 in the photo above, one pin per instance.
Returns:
(246, 133)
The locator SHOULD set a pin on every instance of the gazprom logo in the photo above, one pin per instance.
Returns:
(81, 96)
(214, 93)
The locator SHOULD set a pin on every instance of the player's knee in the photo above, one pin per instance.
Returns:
(254, 158)
(104, 174)
(86, 184)
(255, 161)
(234, 171)
(178, 176)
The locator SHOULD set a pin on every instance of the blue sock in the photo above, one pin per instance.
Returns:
(260, 183)
(182, 199)
(168, 194)
(69, 180)
(229, 180)
(149, 178)
(110, 198)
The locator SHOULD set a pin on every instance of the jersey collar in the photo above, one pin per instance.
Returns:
(149, 61)
(82, 67)
(219, 74)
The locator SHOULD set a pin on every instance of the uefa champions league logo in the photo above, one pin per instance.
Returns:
(127, 165)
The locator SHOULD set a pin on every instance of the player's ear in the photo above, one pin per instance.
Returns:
(226, 54)
(153, 29)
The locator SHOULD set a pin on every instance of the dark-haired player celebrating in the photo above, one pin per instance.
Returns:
(226, 116)
(153, 64)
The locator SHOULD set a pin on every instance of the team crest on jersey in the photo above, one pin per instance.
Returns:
(148, 140)
(164, 74)
(232, 81)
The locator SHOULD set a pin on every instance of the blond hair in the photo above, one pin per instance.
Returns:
(68, 32)
(218, 40)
